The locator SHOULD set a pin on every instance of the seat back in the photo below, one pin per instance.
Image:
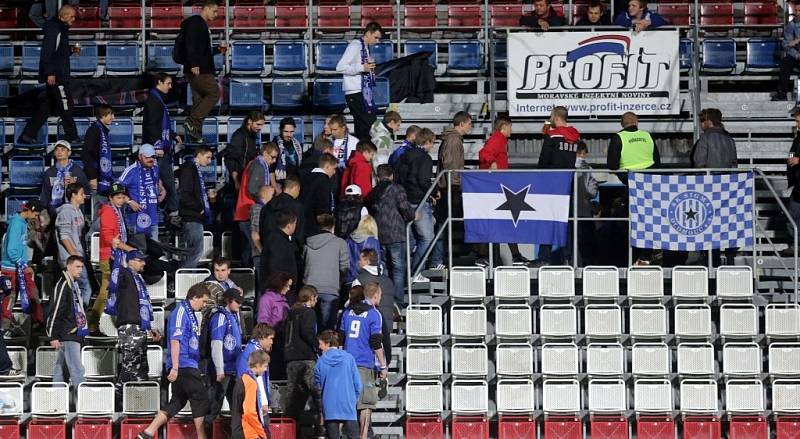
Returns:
(650, 359)
(95, 399)
(246, 94)
(465, 56)
(333, 17)
(249, 16)
(467, 283)
(159, 57)
(289, 57)
(469, 396)
(25, 172)
(288, 93)
(561, 396)
(424, 360)
(186, 277)
(99, 363)
(600, 282)
(514, 359)
(424, 397)
(645, 282)
(140, 398)
(120, 133)
(247, 57)
(469, 359)
(690, 281)
(50, 399)
(122, 58)
(515, 396)
(328, 54)
(468, 321)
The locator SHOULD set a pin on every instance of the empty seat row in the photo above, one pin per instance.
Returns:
(121, 58)
(718, 55)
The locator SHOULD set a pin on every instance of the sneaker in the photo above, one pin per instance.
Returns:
(482, 262)
(520, 260)
(640, 262)
(439, 267)
(420, 279)
(537, 263)
(383, 388)
(143, 435)
(195, 134)
(787, 252)
(25, 139)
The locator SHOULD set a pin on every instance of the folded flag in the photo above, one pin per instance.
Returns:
(516, 207)
(691, 212)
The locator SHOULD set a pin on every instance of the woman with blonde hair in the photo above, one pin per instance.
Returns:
(363, 237)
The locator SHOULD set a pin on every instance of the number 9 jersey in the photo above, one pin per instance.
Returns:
(362, 328)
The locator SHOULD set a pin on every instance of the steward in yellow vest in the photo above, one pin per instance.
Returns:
(632, 149)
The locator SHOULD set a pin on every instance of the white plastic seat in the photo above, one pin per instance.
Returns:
(424, 360)
(560, 359)
(604, 321)
(140, 398)
(784, 396)
(245, 278)
(515, 396)
(95, 399)
(513, 321)
(648, 321)
(19, 363)
(94, 248)
(605, 359)
(155, 361)
(467, 283)
(556, 281)
(561, 396)
(512, 282)
(208, 247)
(158, 290)
(690, 282)
(186, 277)
(782, 321)
(469, 359)
(50, 399)
(650, 359)
(246, 321)
(745, 396)
(600, 282)
(468, 321)
(158, 323)
(607, 396)
(784, 359)
(46, 357)
(645, 282)
(469, 396)
(558, 321)
(738, 320)
(424, 397)
(514, 359)
(693, 321)
(99, 363)
(227, 245)
(107, 326)
(424, 321)
(13, 400)
(699, 397)
(741, 359)
(735, 282)
(696, 359)
(652, 396)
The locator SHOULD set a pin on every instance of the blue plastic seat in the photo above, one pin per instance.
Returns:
(234, 123)
(118, 164)
(86, 63)
(719, 55)
(464, 56)
(288, 93)
(159, 58)
(382, 52)
(81, 124)
(317, 125)
(41, 136)
(120, 134)
(289, 58)
(25, 171)
(328, 55)
(30, 58)
(299, 125)
(416, 46)
(328, 94)
(763, 55)
(686, 47)
(210, 133)
(219, 62)
(246, 94)
(382, 92)
(500, 55)
(247, 57)
(4, 90)
(6, 58)
(122, 58)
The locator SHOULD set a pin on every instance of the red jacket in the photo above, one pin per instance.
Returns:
(359, 173)
(494, 151)
(109, 229)
(243, 200)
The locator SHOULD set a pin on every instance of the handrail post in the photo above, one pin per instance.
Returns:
(696, 71)
(575, 220)
(450, 218)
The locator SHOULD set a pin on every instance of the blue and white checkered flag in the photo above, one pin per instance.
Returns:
(691, 212)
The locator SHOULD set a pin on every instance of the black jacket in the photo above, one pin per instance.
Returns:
(197, 48)
(127, 299)
(282, 202)
(793, 172)
(54, 58)
(559, 148)
(389, 205)
(301, 334)
(45, 196)
(316, 194)
(412, 80)
(348, 215)
(60, 323)
(615, 152)
(310, 161)
(280, 253)
(237, 409)
(152, 113)
(532, 20)
(190, 194)
(414, 172)
(90, 153)
(241, 149)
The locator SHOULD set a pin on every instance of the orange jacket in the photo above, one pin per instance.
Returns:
(251, 421)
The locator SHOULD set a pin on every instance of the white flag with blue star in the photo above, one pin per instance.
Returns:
(691, 212)
(518, 207)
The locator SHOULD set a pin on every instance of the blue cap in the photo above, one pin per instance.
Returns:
(147, 150)
(136, 254)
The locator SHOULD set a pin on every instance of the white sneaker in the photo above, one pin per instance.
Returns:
(439, 267)
(420, 279)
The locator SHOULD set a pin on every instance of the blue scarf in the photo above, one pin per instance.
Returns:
(288, 156)
(57, 192)
(165, 142)
(22, 287)
(118, 263)
(145, 308)
(399, 151)
(342, 153)
(147, 216)
(204, 193)
(367, 81)
(259, 402)
(234, 329)
(77, 308)
(265, 166)
(106, 168)
(192, 318)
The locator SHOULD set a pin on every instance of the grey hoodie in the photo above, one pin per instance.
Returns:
(326, 260)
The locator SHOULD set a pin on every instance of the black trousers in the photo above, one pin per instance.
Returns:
(362, 119)
(788, 65)
(56, 99)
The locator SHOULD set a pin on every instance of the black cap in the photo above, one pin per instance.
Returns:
(233, 293)
(33, 205)
(117, 188)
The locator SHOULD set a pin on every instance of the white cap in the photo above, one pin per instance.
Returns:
(352, 189)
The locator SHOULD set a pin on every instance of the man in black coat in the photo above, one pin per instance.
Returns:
(280, 250)
(286, 201)
(195, 206)
(318, 192)
(54, 72)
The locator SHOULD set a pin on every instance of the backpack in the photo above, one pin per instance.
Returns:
(179, 48)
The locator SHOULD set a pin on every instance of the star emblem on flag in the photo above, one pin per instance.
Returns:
(515, 202)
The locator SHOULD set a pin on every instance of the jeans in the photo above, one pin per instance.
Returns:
(328, 306)
(166, 173)
(423, 233)
(794, 211)
(395, 258)
(69, 355)
(85, 286)
(349, 429)
(193, 237)
(247, 244)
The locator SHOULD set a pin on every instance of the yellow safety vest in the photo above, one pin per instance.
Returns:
(637, 150)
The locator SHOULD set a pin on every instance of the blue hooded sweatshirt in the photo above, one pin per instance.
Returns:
(337, 376)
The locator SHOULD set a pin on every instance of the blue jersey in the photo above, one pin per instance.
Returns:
(225, 328)
(184, 328)
(357, 329)
(242, 367)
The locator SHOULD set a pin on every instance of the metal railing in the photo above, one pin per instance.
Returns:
(445, 177)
